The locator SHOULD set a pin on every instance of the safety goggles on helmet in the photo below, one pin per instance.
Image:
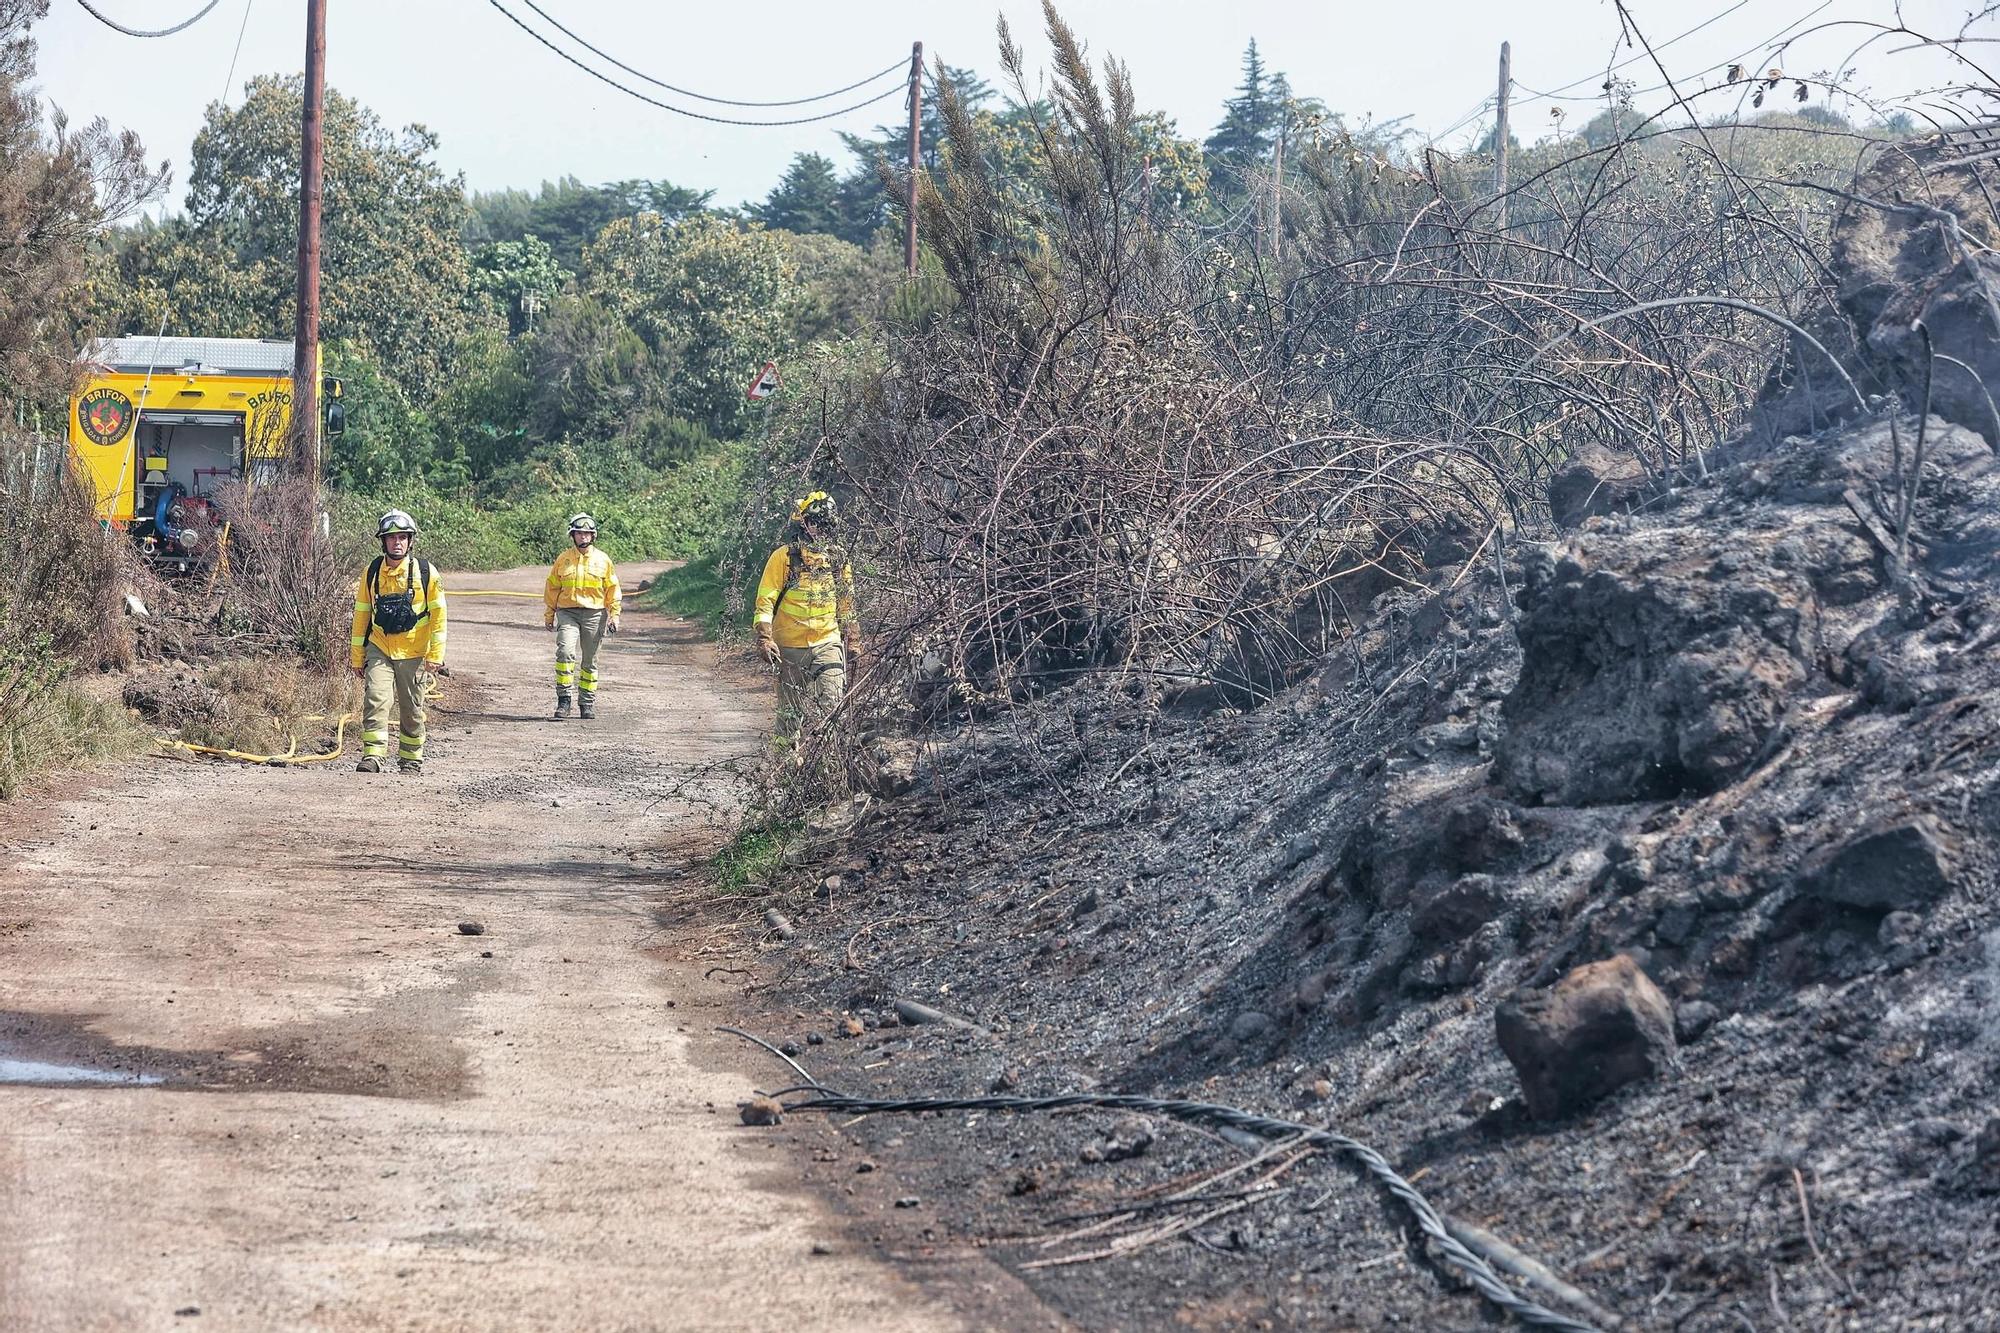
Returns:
(582, 523)
(396, 521)
(816, 508)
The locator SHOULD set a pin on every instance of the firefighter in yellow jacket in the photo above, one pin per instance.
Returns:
(805, 616)
(581, 604)
(398, 636)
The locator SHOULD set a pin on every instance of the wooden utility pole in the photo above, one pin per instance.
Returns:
(1500, 131)
(305, 338)
(916, 149)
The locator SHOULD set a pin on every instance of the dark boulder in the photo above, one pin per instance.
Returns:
(1602, 1026)
(1902, 863)
(1596, 481)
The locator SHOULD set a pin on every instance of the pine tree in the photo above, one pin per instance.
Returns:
(1250, 123)
(865, 206)
(806, 200)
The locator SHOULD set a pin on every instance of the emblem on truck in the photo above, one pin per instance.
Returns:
(105, 415)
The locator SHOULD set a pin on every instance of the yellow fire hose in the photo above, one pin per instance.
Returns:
(289, 757)
(292, 756)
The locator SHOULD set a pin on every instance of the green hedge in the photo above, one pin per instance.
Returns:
(674, 514)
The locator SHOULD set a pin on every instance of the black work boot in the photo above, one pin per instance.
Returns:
(586, 707)
(562, 705)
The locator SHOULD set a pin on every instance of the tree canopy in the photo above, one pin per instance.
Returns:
(394, 272)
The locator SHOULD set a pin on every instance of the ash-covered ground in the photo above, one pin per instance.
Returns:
(1739, 732)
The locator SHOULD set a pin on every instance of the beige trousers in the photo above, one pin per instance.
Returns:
(811, 684)
(579, 634)
(387, 680)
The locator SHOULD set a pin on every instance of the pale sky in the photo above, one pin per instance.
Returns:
(509, 112)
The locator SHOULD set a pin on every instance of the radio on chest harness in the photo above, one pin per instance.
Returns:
(396, 613)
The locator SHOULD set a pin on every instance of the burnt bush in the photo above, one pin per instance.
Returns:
(1122, 435)
(58, 611)
(282, 588)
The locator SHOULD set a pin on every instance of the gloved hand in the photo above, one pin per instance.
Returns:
(767, 645)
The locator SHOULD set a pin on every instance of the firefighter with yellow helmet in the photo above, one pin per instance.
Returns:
(581, 604)
(398, 637)
(805, 616)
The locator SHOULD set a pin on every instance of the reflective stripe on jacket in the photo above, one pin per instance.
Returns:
(817, 605)
(426, 640)
(585, 579)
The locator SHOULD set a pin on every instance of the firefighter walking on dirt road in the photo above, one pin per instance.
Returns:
(581, 604)
(805, 617)
(398, 638)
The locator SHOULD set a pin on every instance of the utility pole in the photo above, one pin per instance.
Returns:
(1500, 131)
(305, 339)
(1146, 193)
(916, 147)
(1277, 191)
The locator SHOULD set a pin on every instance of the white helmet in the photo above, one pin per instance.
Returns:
(582, 523)
(396, 521)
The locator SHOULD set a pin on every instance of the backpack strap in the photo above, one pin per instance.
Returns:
(374, 578)
(794, 562)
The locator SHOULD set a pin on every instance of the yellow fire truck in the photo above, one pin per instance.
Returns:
(161, 424)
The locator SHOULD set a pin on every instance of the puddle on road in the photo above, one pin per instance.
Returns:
(41, 1072)
(413, 1054)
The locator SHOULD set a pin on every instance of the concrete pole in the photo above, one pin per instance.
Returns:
(916, 151)
(1500, 131)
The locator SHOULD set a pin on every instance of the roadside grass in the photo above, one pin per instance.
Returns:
(699, 590)
(270, 702)
(694, 591)
(752, 855)
(61, 727)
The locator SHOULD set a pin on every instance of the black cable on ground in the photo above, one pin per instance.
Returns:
(109, 22)
(901, 63)
(1456, 1253)
(602, 77)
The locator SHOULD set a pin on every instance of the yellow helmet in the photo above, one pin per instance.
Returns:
(817, 507)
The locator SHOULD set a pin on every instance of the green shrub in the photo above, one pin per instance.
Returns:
(522, 518)
(749, 858)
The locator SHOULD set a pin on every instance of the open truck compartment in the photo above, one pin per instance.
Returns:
(163, 425)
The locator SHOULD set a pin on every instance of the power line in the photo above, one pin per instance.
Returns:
(229, 79)
(703, 97)
(1556, 94)
(1633, 60)
(1463, 121)
(108, 22)
(602, 77)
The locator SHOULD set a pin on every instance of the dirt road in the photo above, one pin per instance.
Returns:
(365, 1119)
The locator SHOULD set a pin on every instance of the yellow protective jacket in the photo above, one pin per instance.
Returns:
(585, 579)
(810, 606)
(426, 640)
